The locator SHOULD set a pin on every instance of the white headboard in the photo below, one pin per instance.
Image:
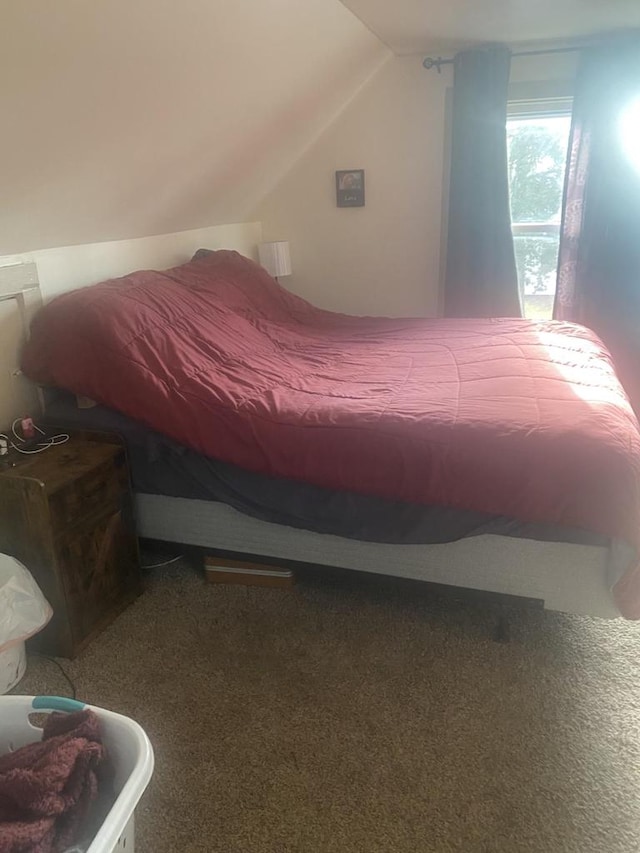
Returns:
(19, 299)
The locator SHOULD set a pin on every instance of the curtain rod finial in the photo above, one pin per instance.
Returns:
(430, 63)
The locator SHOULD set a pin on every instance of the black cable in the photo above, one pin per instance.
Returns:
(72, 686)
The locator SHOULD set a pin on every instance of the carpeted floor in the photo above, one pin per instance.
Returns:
(351, 715)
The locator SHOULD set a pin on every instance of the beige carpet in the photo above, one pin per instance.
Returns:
(348, 715)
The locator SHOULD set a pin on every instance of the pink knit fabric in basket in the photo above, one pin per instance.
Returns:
(47, 789)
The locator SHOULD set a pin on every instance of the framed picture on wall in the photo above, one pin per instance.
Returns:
(350, 188)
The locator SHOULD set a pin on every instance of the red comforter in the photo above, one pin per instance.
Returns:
(513, 417)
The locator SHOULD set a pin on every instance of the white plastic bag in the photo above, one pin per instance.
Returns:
(23, 608)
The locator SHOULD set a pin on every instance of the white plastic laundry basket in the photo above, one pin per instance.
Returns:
(129, 750)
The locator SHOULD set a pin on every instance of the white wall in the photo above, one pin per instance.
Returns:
(384, 258)
(126, 118)
(553, 67)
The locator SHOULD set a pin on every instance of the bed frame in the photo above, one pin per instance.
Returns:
(566, 577)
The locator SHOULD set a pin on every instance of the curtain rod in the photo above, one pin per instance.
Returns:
(430, 62)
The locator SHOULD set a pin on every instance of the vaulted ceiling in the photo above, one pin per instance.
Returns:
(412, 26)
(126, 118)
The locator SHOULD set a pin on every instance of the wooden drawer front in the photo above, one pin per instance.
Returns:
(100, 490)
(101, 571)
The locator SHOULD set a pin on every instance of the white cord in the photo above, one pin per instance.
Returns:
(164, 563)
(61, 438)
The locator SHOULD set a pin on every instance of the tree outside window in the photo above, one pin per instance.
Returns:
(537, 157)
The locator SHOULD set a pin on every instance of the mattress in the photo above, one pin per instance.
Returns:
(160, 466)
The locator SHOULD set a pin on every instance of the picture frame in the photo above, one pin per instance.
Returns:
(350, 188)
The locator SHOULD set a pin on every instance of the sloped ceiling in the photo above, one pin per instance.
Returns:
(126, 118)
(413, 26)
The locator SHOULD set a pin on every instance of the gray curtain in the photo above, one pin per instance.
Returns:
(599, 262)
(481, 277)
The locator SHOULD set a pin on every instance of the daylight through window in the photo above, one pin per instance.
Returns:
(537, 146)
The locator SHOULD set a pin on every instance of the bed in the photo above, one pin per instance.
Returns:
(493, 454)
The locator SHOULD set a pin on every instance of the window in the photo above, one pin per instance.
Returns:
(538, 138)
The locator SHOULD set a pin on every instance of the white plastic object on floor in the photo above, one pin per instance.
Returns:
(23, 612)
(13, 662)
(130, 753)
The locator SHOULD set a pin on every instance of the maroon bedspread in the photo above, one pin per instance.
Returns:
(513, 417)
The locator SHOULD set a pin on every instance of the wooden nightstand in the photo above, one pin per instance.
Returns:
(67, 515)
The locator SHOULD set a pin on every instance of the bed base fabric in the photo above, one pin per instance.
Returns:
(566, 577)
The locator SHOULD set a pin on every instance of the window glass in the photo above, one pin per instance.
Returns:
(537, 146)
